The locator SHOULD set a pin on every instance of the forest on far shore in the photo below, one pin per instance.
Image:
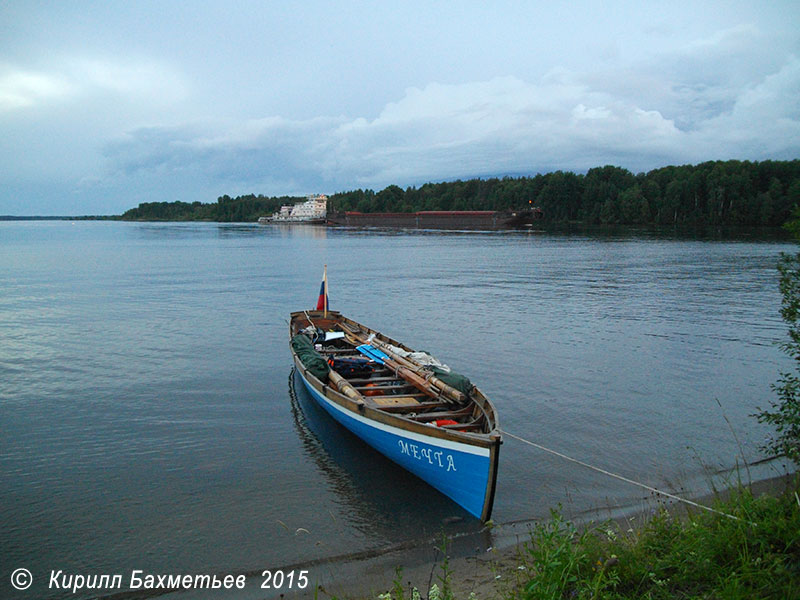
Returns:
(726, 193)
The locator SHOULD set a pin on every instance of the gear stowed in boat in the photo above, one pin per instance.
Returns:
(427, 419)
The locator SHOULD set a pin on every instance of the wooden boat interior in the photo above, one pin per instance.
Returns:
(387, 388)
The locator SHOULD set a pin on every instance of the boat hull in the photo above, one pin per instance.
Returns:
(439, 219)
(462, 472)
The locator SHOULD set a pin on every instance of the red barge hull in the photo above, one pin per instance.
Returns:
(439, 219)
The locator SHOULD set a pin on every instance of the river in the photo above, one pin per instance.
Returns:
(150, 418)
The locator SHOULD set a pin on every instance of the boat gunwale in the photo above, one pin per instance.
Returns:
(374, 413)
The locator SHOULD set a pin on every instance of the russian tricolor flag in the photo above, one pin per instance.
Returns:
(322, 301)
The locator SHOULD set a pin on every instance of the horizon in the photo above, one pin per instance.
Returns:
(12, 217)
(301, 196)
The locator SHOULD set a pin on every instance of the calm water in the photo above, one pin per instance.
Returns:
(150, 419)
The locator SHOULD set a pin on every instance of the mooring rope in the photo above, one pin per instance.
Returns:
(621, 477)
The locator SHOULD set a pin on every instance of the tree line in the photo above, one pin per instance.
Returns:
(240, 209)
(727, 193)
(712, 193)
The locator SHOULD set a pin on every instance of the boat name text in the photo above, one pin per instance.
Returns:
(434, 457)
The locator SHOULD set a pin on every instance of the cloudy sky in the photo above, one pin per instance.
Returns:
(107, 104)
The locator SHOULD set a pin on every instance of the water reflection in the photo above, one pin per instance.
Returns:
(180, 230)
(168, 230)
(296, 230)
(379, 496)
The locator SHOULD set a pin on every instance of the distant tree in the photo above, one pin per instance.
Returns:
(766, 209)
(630, 206)
(560, 195)
(389, 199)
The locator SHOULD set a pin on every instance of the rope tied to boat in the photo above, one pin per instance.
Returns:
(623, 478)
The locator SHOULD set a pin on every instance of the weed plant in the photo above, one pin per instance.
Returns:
(704, 555)
(753, 553)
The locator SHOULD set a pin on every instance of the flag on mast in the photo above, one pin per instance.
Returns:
(322, 301)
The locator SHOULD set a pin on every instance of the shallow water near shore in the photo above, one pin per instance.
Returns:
(151, 419)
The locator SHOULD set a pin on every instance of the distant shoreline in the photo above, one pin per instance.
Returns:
(572, 227)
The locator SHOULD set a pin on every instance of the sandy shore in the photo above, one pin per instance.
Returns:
(485, 563)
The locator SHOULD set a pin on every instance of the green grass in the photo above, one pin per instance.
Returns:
(702, 555)
(699, 555)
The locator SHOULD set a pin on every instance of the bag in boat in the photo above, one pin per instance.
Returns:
(351, 367)
(311, 359)
(454, 380)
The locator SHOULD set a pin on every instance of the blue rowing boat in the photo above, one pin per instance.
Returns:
(405, 404)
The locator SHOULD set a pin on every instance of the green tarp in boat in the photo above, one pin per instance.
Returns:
(313, 361)
(454, 380)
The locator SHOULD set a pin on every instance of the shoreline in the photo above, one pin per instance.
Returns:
(483, 562)
(777, 232)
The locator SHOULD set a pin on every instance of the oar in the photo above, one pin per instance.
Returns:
(418, 382)
(373, 353)
(345, 388)
(441, 388)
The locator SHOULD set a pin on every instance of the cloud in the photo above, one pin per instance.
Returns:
(496, 126)
(21, 88)
(719, 97)
(272, 152)
(500, 125)
(440, 131)
(699, 80)
(76, 79)
(134, 80)
(765, 118)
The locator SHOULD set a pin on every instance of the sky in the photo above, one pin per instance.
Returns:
(106, 104)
